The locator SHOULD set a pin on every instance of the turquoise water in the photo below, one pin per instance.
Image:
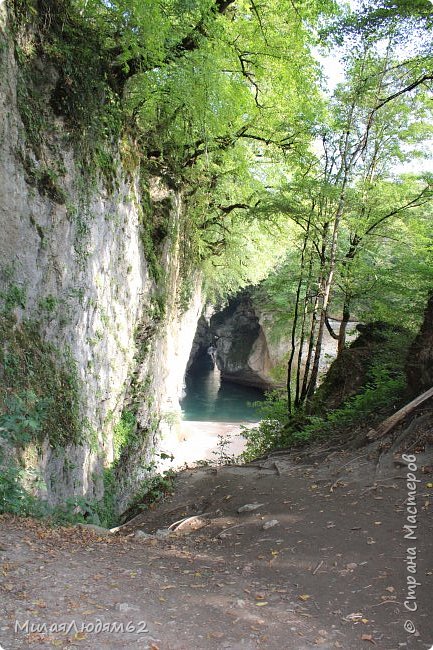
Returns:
(210, 399)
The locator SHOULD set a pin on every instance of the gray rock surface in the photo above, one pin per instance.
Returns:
(242, 349)
(75, 257)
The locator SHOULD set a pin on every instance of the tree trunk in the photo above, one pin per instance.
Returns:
(311, 340)
(343, 327)
(327, 286)
(295, 320)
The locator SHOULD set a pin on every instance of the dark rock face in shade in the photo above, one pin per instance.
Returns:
(348, 373)
(242, 350)
(419, 365)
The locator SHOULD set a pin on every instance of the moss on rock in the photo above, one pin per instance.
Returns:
(39, 388)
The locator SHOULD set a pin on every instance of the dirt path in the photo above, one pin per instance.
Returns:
(330, 573)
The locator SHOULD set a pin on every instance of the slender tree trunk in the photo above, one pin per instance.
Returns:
(327, 287)
(293, 346)
(317, 354)
(318, 298)
(295, 319)
(343, 326)
(302, 335)
(304, 390)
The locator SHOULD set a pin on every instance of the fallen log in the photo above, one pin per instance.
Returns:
(394, 419)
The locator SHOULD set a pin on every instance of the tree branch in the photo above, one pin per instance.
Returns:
(329, 328)
(406, 89)
(236, 206)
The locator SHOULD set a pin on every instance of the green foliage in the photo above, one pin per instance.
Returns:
(19, 500)
(270, 433)
(123, 432)
(14, 296)
(221, 454)
(207, 79)
(154, 489)
(72, 83)
(385, 386)
(32, 109)
(106, 507)
(154, 227)
(75, 510)
(24, 417)
(14, 498)
(39, 392)
(48, 304)
(89, 511)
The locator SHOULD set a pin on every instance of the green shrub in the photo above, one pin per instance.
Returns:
(152, 490)
(271, 430)
(123, 432)
(385, 385)
(14, 498)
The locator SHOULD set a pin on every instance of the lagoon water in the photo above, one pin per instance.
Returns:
(208, 398)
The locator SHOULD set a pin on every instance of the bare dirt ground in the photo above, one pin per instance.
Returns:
(330, 571)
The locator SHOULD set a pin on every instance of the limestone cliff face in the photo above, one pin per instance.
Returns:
(250, 351)
(243, 354)
(203, 339)
(73, 266)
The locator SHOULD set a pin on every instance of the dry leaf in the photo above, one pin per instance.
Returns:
(368, 637)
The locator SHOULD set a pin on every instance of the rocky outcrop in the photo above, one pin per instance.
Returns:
(203, 339)
(419, 365)
(252, 350)
(349, 373)
(79, 284)
(242, 349)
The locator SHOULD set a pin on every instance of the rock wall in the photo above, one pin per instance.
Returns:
(249, 349)
(202, 341)
(242, 348)
(72, 265)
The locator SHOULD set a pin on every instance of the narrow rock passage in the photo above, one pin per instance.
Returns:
(320, 562)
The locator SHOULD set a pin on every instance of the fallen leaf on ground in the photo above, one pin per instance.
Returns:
(368, 637)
